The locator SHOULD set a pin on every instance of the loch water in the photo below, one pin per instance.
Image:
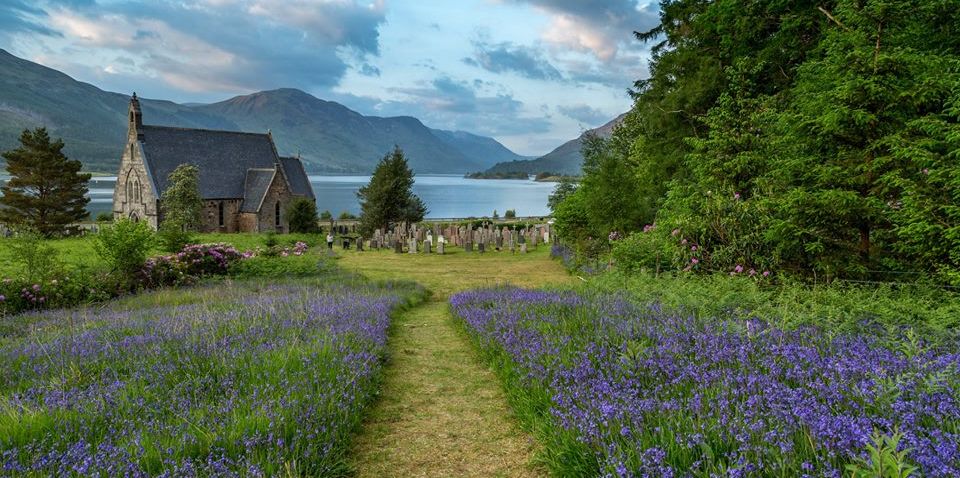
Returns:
(446, 196)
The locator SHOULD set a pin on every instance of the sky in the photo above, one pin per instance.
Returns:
(530, 73)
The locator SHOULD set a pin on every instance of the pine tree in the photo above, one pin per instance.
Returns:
(46, 192)
(388, 199)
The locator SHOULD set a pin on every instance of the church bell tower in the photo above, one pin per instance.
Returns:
(135, 126)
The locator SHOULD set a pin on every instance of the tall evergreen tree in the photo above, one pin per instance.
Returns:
(856, 117)
(46, 192)
(388, 198)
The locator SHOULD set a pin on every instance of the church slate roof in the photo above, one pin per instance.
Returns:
(223, 158)
(255, 188)
(297, 177)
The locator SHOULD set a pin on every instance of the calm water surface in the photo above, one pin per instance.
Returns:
(445, 195)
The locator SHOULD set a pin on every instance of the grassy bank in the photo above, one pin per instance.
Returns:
(838, 307)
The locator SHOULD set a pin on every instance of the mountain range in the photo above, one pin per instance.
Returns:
(566, 159)
(329, 137)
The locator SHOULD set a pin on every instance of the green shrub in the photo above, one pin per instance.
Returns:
(302, 215)
(270, 240)
(347, 215)
(124, 246)
(510, 214)
(37, 260)
(105, 217)
(326, 215)
(173, 237)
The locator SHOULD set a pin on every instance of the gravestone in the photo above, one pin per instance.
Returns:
(468, 246)
(481, 247)
(397, 246)
(523, 247)
(413, 245)
(426, 247)
(359, 244)
(440, 248)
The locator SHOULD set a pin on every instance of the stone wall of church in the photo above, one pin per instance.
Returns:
(211, 216)
(134, 197)
(278, 193)
(248, 222)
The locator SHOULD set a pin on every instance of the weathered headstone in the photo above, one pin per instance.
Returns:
(523, 247)
(426, 247)
(398, 246)
(481, 247)
(413, 245)
(440, 247)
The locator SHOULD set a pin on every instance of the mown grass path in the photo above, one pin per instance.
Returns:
(441, 412)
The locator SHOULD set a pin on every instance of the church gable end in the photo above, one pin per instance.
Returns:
(135, 196)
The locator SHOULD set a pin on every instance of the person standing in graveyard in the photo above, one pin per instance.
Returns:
(330, 240)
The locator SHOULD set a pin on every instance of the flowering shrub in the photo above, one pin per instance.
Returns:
(299, 248)
(188, 265)
(633, 391)
(18, 295)
(208, 259)
(266, 382)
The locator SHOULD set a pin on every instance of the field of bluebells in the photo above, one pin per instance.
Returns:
(614, 388)
(236, 379)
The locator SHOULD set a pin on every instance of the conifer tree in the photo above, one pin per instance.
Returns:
(46, 192)
(388, 199)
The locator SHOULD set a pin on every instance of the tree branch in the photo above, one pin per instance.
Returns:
(832, 18)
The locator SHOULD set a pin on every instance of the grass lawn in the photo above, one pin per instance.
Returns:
(441, 411)
(77, 252)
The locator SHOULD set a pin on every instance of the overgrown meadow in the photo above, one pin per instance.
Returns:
(230, 379)
(616, 388)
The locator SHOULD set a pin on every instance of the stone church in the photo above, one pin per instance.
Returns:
(245, 185)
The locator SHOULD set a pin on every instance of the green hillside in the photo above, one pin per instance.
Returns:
(329, 137)
(564, 160)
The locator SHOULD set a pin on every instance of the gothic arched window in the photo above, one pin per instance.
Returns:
(136, 190)
(220, 212)
(129, 190)
(277, 214)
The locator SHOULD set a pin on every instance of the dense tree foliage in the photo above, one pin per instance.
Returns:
(819, 138)
(302, 216)
(46, 192)
(388, 198)
(182, 206)
(181, 202)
